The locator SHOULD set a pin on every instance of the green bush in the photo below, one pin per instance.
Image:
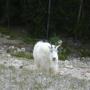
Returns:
(64, 54)
(29, 40)
(54, 39)
(84, 52)
(65, 51)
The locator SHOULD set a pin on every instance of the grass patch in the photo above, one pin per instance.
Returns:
(64, 53)
(54, 39)
(84, 52)
(4, 30)
(26, 55)
(69, 50)
(29, 40)
(14, 34)
(2, 67)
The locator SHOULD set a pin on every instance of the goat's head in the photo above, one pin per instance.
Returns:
(54, 52)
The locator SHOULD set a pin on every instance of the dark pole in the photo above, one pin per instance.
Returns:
(8, 19)
(48, 20)
(78, 20)
(79, 12)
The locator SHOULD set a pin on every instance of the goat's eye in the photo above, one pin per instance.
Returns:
(54, 59)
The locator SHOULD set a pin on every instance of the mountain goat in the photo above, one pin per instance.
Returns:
(46, 56)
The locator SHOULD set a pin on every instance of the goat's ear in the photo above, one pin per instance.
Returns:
(50, 47)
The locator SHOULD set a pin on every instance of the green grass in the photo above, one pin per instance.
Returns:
(84, 52)
(21, 54)
(17, 34)
(64, 53)
(29, 40)
(54, 39)
(26, 55)
(69, 50)
(14, 34)
(6, 31)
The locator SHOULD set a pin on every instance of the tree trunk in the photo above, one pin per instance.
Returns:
(8, 18)
(79, 13)
(76, 30)
(48, 21)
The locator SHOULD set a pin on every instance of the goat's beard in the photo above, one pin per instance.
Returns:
(54, 68)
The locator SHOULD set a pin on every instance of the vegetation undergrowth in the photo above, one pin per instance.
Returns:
(67, 49)
(14, 34)
(26, 55)
(29, 40)
(64, 51)
(84, 52)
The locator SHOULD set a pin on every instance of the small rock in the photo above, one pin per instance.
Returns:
(87, 75)
(68, 64)
(23, 49)
(21, 67)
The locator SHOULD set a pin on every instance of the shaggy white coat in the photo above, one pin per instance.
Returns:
(46, 56)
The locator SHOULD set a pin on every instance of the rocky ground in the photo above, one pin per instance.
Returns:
(21, 73)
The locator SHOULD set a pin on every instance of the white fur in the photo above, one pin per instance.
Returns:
(43, 54)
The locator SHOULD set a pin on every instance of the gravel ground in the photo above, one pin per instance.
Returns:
(22, 74)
